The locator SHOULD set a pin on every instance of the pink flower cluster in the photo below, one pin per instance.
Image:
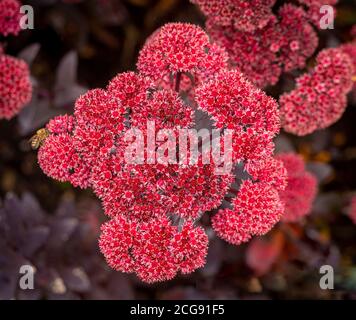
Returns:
(10, 17)
(282, 45)
(350, 49)
(313, 9)
(155, 251)
(353, 31)
(301, 189)
(234, 103)
(320, 97)
(189, 55)
(154, 207)
(352, 210)
(241, 14)
(15, 85)
(256, 207)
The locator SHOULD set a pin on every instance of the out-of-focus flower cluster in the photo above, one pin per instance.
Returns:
(320, 97)
(15, 85)
(301, 188)
(240, 14)
(314, 11)
(10, 17)
(154, 207)
(283, 42)
(350, 49)
(282, 45)
(352, 210)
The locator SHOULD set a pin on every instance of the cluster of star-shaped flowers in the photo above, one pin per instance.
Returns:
(155, 250)
(87, 149)
(256, 206)
(235, 104)
(15, 85)
(241, 14)
(154, 207)
(301, 188)
(10, 17)
(315, 12)
(282, 45)
(350, 49)
(186, 62)
(320, 96)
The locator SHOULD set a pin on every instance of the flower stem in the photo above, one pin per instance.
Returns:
(178, 78)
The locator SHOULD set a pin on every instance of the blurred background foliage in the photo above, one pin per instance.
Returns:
(82, 44)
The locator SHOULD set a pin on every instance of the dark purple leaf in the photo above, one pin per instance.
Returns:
(29, 53)
(65, 96)
(34, 238)
(322, 171)
(32, 208)
(75, 279)
(61, 230)
(66, 74)
(36, 114)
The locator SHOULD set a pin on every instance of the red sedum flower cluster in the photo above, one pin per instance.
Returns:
(15, 85)
(301, 189)
(10, 17)
(350, 49)
(314, 8)
(320, 97)
(255, 210)
(241, 14)
(234, 103)
(156, 251)
(282, 45)
(154, 207)
(189, 55)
